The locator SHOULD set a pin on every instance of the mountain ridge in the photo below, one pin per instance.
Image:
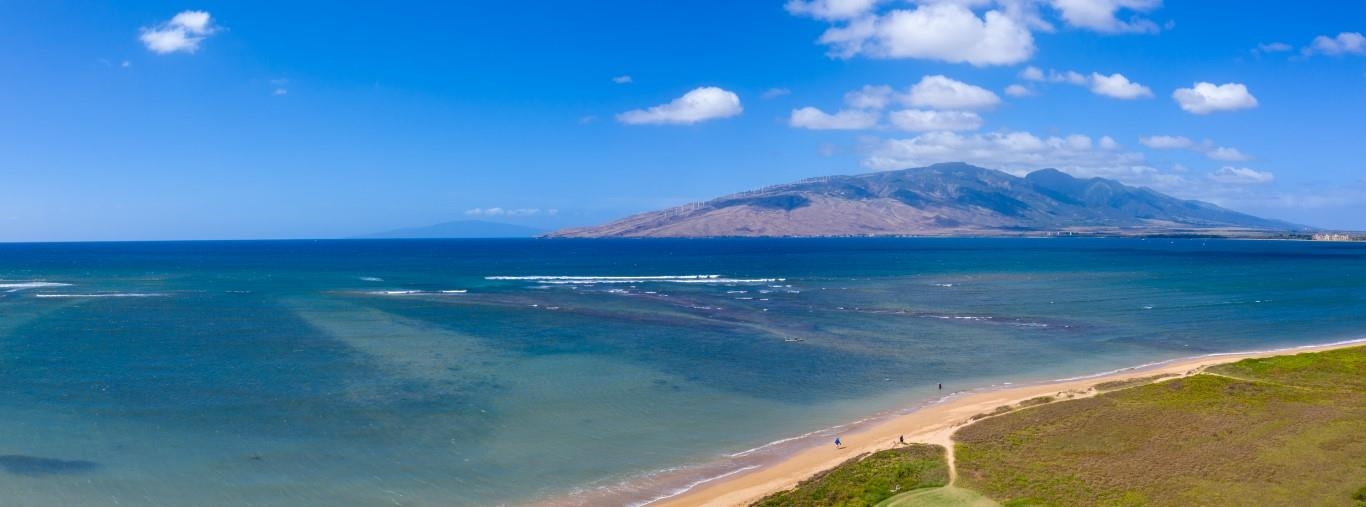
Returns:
(950, 199)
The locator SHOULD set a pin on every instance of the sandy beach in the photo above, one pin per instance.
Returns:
(935, 424)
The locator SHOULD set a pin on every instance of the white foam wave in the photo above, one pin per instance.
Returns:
(104, 295)
(692, 485)
(1213, 354)
(18, 286)
(371, 279)
(415, 292)
(594, 280)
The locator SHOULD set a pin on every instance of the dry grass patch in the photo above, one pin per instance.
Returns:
(1287, 431)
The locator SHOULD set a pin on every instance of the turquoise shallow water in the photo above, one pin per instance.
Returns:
(477, 372)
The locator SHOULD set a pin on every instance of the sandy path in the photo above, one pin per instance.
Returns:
(934, 424)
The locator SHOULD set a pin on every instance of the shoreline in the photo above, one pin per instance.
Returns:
(935, 423)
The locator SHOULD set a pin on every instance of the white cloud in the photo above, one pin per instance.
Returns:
(831, 10)
(1118, 86)
(977, 32)
(279, 91)
(921, 120)
(1205, 98)
(1226, 154)
(815, 119)
(1016, 90)
(773, 93)
(1102, 15)
(1242, 176)
(1345, 43)
(1273, 47)
(698, 105)
(623, 79)
(1166, 142)
(584, 120)
(1206, 147)
(939, 92)
(125, 64)
(939, 31)
(869, 97)
(1009, 151)
(182, 34)
(1070, 77)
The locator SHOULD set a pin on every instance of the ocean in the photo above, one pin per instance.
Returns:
(573, 372)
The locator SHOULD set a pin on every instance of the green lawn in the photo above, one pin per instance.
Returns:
(868, 479)
(947, 496)
(1287, 430)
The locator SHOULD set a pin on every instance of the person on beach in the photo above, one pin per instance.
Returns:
(902, 438)
(941, 386)
(837, 443)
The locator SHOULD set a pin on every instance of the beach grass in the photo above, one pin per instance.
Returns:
(1132, 382)
(1285, 430)
(866, 480)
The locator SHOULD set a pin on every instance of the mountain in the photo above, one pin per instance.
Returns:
(461, 229)
(940, 200)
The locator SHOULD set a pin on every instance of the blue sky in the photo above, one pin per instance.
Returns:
(246, 119)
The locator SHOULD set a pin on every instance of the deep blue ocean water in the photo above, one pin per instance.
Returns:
(478, 372)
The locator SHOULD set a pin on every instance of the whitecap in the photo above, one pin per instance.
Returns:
(103, 295)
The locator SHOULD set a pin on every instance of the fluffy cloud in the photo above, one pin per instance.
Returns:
(920, 120)
(1118, 86)
(622, 79)
(1345, 43)
(1207, 147)
(182, 34)
(1226, 154)
(1241, 176)
(939, 92)
(940, 31)
(1102, 15)
(1010, 151)
(815, 119)
(977, 32)
(1205, 98)
(1114, 85)
(1032, 73)
(698, 105)
(869, 97)
(831, 10)
(1016, 90)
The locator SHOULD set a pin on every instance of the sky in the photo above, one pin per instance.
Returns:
(146, 120)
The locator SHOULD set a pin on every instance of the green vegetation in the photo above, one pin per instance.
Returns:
(1038, 400)
(1287, 430)
(868, 479)
(1114, 385)
(947, 496)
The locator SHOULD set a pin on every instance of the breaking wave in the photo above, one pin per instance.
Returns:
(594, 280)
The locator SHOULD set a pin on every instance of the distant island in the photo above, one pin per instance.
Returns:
(951, 199)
